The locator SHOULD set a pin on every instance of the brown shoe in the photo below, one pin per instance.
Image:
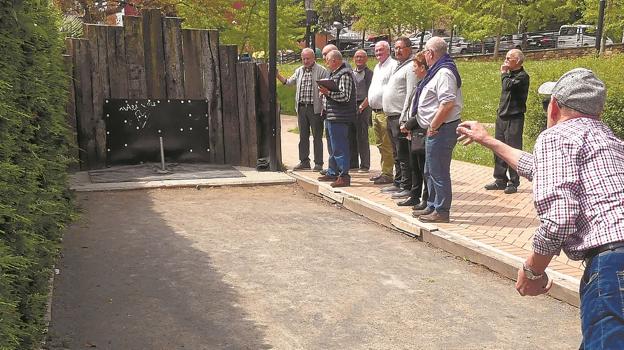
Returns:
(341, 181)
(327, 178)
(434, 217)
(383, 179)
(426, 211)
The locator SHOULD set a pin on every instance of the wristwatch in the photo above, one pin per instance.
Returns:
(530, 274)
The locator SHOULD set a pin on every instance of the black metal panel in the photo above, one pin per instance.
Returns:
(133, 128)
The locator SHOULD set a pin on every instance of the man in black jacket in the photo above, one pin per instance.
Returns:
(510, 120)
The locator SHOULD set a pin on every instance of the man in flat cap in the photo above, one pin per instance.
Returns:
(577, 170)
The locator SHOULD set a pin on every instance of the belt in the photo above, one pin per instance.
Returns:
(306, 104)
(591, 253)
(394, 116)
(452, 121)
(378, 110)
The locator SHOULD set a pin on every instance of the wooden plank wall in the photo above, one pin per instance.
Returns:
(152, 57)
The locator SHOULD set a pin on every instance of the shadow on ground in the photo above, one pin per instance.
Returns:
(129, 281)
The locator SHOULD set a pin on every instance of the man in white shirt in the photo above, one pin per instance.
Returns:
(439, 104)
(381, 74)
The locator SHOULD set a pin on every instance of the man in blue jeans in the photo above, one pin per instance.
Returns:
(340, 109)
(439, 103)
(577, 170)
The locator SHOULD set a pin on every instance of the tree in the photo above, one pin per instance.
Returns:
(247, 23)
(614, 18)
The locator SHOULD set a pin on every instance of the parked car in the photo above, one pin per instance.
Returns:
(472, 47)
(459, 46)
(578, 35)
(415, 39)
(549, 40)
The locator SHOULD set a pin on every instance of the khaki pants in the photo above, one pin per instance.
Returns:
(383, 143)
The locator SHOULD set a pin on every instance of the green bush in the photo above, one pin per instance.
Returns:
(34, 200)
(614, 113)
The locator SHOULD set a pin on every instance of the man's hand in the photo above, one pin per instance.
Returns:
(404, 129)
(472, 131)
(431, 132)
(504, 68)
(525, 286)
(323, 90)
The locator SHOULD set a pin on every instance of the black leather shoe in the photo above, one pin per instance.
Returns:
(426, 211)
(420, 206)
(390, 189)
(409, 202)
(302, 166)
(401, 194)
(511, 189)
(495, 186)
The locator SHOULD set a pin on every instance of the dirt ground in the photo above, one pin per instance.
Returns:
(274, 268)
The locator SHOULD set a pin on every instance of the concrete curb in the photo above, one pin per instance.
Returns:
(80, 182)
(565, 288)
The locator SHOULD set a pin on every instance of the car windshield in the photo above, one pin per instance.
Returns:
(568, 31)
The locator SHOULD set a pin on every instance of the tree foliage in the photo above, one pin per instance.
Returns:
(247, 26)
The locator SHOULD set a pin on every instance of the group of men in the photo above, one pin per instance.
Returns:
(577, 167)
(384, 98)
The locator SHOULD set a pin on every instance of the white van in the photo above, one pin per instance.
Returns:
(578, 35)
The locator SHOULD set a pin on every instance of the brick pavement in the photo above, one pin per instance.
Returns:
(505, 222)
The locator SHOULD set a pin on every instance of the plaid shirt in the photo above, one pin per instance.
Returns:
(305, 91)
(577, 171)
(344, 85)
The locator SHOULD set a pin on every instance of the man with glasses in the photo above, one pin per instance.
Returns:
(577, 170)
(399, 88)
(510, 119)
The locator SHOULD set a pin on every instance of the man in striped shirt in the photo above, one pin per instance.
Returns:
(577, 170)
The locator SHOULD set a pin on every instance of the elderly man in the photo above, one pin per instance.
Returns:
(577, 169)
(363, 77)
(340, 110)
(510, 119)
(439, 104)
(381, 73)
(399, 88)
(308, 107)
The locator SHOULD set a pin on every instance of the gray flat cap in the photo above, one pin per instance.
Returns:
(578, 89)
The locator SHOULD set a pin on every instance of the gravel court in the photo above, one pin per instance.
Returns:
(273, 267)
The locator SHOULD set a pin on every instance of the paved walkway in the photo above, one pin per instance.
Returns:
(505, 222)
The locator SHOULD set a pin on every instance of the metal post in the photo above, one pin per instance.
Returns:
(273, 151)
(450, 49)
(338, 26)
(600, 29)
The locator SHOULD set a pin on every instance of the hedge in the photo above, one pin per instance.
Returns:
(35, 203)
